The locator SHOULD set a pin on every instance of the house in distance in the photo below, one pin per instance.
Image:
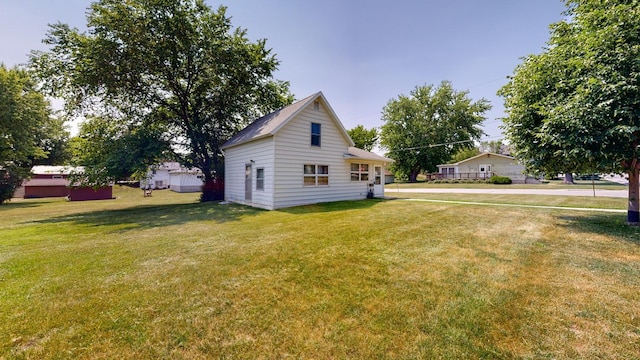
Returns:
(298, 155)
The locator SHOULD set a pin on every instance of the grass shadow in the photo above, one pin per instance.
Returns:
(156, 216)
(21, 204)
(332, 206)
(613, 225)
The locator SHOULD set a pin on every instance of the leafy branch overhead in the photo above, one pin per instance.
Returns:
(175, 67)
(574, 107)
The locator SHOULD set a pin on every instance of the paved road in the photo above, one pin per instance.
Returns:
(562, 192)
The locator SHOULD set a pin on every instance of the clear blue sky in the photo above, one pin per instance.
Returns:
(359, 53)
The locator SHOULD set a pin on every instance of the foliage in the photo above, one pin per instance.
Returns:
(364, 139)
(574, 106)
(174, 66)
(55, 143)
(108, 152)
(494, 146)
(464, 153)
(25, 124)
(496, 179)
(10, 180)
(427, 127)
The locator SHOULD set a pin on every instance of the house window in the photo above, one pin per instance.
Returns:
(315, 134)
(316, 175)
(359, 172)
(260, 179)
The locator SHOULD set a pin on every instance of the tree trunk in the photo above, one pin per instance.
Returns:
(413, 176)
(213, 188)
(633, 211)
(568, 178)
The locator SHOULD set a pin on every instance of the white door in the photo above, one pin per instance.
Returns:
(485, 171)
(378, 181)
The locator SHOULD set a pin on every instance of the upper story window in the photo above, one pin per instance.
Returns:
(315, 134)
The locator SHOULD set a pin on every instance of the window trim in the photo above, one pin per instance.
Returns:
(315, 175)
(316, 135)
(363, 175)
(260, 180)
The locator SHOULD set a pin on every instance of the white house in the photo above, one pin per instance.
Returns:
(483, 166)
(300, 154)
(158, 177)
(171, 175)
(186, 180)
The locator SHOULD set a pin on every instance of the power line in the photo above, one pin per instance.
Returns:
(432, 145)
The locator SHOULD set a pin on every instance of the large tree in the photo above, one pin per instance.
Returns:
(128, 152)
(175, 66)
(576, 106)
(25, 118)
(364, 139)
(427, 127)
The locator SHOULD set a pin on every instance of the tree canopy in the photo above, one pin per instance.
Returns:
(364, 139)
(427, 127)
(25, 126)
(174, 69)
(575, 106)
(464, 153)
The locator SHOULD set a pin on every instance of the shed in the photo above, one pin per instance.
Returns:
(186, 180)
(52, 181)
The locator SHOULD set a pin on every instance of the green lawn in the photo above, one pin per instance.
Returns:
(553, 184)
(168, 277)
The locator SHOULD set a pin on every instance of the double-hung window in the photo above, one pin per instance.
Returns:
(359, 172)
(260, 179)
(315, 134)
(316, 175)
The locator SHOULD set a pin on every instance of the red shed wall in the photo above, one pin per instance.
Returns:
(45, 191)
(87, 193)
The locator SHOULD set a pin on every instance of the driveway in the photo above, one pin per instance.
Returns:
(561, 192)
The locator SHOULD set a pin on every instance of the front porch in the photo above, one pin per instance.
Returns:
(458, 176)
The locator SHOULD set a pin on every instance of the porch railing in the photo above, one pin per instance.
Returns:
(458, 176)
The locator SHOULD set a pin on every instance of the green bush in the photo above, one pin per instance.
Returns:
(495, 179)
(10, 180)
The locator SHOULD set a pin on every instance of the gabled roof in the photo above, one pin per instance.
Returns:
(55, 170)
(477, 156)
(359, 154)
(47, 182)
(269, 124)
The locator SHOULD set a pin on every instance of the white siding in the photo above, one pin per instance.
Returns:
(261, 152)
(293, 150)
(185, 182)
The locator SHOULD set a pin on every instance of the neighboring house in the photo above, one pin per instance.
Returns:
(300, 154)
(170, 175)
(159, 177)
(52, 181)
(483, 166)
(389, 177)
(186, 180)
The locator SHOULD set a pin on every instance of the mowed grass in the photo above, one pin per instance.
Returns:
(168, 277)
(547, 185)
